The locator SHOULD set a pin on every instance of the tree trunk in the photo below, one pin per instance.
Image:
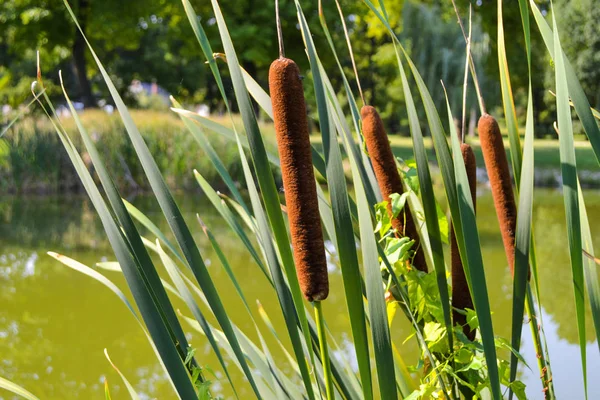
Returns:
(79, 46)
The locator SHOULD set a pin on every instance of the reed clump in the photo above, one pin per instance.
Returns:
(389, 179)
(496, 165)
(461, 296)
(291, 128)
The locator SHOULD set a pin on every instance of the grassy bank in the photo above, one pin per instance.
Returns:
(33, 160)
(546, 151)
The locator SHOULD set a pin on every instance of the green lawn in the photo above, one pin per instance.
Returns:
(546, 151)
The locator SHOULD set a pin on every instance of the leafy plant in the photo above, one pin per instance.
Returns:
(385, 280)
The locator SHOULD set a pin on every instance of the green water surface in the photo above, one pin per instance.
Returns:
(55, 322)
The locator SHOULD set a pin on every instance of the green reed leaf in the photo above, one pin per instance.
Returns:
(569, 182)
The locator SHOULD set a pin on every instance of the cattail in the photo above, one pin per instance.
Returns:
(461, 297)
(496, 165)
(291, 128)
(388, 178)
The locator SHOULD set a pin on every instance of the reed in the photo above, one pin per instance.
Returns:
(389, 179)
(461, 296)
(496, 165)
(293, 142)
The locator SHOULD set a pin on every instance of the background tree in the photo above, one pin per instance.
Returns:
(579, 23)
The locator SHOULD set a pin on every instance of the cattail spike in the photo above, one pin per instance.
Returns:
(496, 165)
(461, 296)
(291, 128)
(389, 179)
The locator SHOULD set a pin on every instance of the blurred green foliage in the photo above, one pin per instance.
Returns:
(32, 159)
(151, 41)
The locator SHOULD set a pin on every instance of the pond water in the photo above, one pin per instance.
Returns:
(55, 322)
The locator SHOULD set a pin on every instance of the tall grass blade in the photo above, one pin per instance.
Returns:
(570, 192)
(16, 389)
(461, 209)
(378, 317)
(590, 267)
(203, 141)
(428, 200)
(84, 269)
(228, 216)
(130, 389)
(342, 218)
(522, 239)
(24, 110)
(172, 214)
(263, 172)
(170, 354)
(148, 272)
(284, 295)
(106, 390)
(371, 187)
(186, 295)
(205, 46)
(578, 97)
(475, 261)
(155, 230)
(223, 259)
(115, 267)
(508, 101)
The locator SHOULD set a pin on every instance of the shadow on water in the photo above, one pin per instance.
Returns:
(54, 322)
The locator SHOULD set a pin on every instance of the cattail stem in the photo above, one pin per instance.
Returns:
(291, 128)
(320, 320)
(541, 355)
(279, 30)
(471, 62)
(350, 51)
(461, 296)
(496, 165)
(389, 179)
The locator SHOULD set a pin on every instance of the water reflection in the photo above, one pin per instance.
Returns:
(55, 323)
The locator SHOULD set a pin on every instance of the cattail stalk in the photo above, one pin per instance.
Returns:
(389, 179)
(291, 128)
(461, 296)
(496, 165)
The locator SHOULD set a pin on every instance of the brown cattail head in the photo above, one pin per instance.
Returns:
(461, 297)
(496, 165)
(389, 179)
(291, 128)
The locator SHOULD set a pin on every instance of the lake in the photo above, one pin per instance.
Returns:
(55, 322)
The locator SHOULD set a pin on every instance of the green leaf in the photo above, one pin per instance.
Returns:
(186, 294)
(203, 141)
(283, 291)
(508, 102)
(523, 238)
(148, 272)
(590, 267)
(580, 101)
(132, 393)
(153, 318)
(263, 173)
(518, 388)
(173, 215)
(342, 218)
(16, 389)
(228, 216)
(106, 390)
(430, 207)
(570, 193)
(79, 267)
(474, 260)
